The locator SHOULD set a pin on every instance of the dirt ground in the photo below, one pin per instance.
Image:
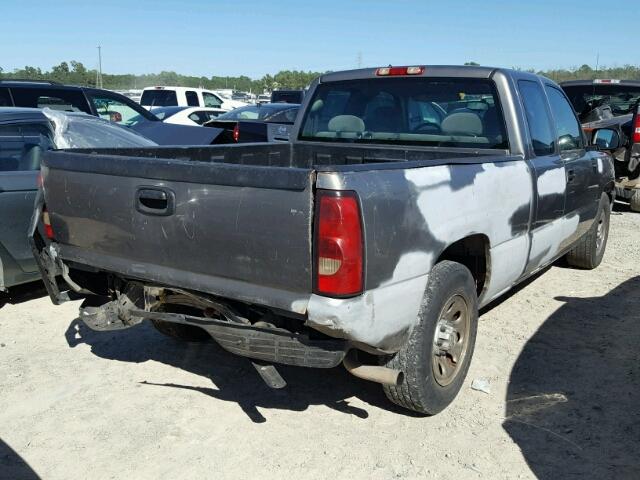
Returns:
(561, 355)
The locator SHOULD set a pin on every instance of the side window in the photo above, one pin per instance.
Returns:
(37, 134)
(192, 98)
(210, 100)
(70, 100)
(115, 110)
(198, 117)
(11, 147)
(567, 126)
(5, 98)
(542, 136)
(284, 116)
(21, 147)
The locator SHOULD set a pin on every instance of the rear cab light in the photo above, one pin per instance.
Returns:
(399, 71)
(338, 255)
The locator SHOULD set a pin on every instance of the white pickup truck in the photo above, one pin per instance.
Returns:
(163, 96)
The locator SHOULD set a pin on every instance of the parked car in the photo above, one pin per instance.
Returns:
(186, 97)
(287, 96)
(610, 112)
(371, 238)
(25, 134)
(101, 103)
(256, 123)
(187, 115)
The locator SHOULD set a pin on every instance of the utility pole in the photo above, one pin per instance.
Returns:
(99, 72)
(359, 59)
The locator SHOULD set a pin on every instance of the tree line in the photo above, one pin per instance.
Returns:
(75, 73)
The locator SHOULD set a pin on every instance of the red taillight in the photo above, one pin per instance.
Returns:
(395, 71)
(236, 133)
(636, 127)
(48, 229)
(338, 244)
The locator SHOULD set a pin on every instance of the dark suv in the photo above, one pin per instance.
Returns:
(102, 103)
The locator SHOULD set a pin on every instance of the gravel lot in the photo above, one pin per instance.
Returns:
(561, 355)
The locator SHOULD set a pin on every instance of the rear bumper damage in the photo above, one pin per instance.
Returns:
(262, 341)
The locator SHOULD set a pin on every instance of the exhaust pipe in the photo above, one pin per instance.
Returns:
(373, 373)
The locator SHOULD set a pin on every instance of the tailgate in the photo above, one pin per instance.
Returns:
(238, 231)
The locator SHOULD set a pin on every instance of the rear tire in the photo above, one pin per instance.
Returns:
(178, 331)
(588, 252)
(435, 366)
(634, 202)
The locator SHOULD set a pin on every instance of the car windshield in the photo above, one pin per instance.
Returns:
(621, 99)
(449, 112)
(284, 113)
(159, 98)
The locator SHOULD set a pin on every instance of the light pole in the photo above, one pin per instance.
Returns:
(99, 72)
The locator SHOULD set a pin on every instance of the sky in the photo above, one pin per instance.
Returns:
(251, 37)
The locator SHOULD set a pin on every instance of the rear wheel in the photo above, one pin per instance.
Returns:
(437, 355)
(184, 333)
(589, 250)
(635, 201)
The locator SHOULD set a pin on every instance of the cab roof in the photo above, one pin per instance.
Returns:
(467, 71)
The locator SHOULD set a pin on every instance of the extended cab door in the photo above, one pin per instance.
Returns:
(549, 176)
(580, 166)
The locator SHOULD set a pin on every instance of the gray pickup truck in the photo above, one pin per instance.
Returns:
(407, 198)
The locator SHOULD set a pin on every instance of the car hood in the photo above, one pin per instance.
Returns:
(172, 134)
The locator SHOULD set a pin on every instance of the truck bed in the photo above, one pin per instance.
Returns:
(234, 221)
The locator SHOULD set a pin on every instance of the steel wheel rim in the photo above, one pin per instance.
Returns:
(451, 339)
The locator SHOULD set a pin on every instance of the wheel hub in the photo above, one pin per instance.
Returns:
(450, 339)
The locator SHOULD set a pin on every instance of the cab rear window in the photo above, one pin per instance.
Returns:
(450, 112)
(159, 98)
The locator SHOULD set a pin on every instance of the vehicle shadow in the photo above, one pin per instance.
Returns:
(573, 401)
(233, 378)
(13, 466)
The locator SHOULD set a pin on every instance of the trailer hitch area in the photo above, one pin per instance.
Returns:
(102, 315)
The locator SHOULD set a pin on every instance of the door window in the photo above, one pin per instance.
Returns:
(116, 110)
(568, 129)
(542, 137)
(210, 100)
(201, 117)
(192, 98)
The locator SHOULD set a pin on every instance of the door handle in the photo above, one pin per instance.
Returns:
(155, 201)
(571, 175)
